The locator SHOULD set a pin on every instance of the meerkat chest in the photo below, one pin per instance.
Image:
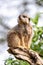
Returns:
(24, 34)
(22, 30)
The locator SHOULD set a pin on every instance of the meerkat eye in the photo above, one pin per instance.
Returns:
(24, 16)
(29, 19)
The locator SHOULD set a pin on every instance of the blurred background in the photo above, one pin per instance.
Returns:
(10, 10)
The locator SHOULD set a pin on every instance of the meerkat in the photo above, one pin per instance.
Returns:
(21, 34)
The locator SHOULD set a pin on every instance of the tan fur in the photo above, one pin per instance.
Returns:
(21, 35)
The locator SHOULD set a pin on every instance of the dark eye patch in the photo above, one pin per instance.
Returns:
(24, 16)
(29, 19)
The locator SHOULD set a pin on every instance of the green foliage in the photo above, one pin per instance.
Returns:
(37, 41)
(11, 61)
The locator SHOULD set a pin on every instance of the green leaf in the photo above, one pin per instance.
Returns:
(10, 61)
(36, 18)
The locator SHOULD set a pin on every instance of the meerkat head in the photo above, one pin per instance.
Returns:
(23, 19)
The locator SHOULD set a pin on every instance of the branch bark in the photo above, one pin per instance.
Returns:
(28, 55)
